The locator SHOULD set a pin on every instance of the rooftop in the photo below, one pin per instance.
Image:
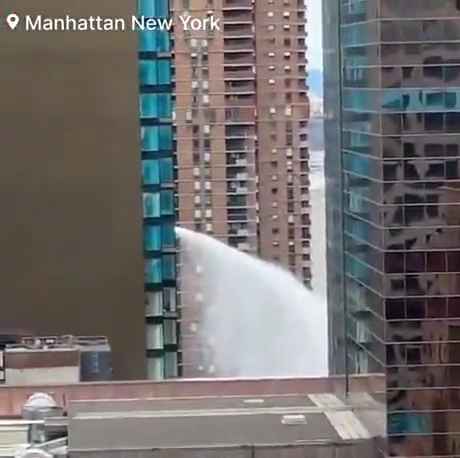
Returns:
(214, 422)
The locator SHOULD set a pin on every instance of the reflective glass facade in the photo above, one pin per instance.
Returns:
(156, 140)
(392, 145)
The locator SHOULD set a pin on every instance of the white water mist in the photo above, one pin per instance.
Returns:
(258, 318)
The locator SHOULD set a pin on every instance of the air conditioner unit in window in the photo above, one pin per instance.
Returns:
(188, 116)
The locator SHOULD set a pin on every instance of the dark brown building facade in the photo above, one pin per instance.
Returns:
(70, 237)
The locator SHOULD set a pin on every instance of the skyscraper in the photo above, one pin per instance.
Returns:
(158, 190)
(241, 118)
(392, 109)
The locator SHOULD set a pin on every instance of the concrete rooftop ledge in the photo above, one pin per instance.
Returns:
(12, 398)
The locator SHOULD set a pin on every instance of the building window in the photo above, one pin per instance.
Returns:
(156, 9)
(154, 72)
(153, 303)
(154, 41)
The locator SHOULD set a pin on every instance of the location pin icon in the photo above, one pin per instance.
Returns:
(12, 20)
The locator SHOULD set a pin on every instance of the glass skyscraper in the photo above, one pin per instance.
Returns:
(156, 113)
(392, 108)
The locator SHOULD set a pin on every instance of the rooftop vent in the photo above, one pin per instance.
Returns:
(293, 420)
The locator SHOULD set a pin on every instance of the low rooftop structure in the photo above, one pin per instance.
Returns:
(13, 398)
(133, 426)
(50, 359)
(239, 418)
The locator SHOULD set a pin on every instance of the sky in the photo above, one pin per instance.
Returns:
(314, 31)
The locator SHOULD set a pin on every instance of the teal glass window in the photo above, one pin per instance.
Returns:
(150, 138)
(165, 137)
(357, 164)
(163, 41)
(359, 99)
(357, 227)
(148, 105)
(167, 202)
(151, 205)
(360, 33)
(152, 238)
(434, 99)
(154, 72)
(154, 138)
(451, 100)
(154, 41)
(163, 102)
(153, 8)
(409, 423)
(164, 72)
(392, 100)
(168, 236)
(357, 269)
(153, 271)
(150, 172)
(169, 267)
(157, 171)
(148, 72)
(166, 170)
(155, 105)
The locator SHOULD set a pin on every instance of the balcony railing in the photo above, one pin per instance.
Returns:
(240, 101)
(238, 17)
(242, 44)
(238, 30)
(237, 4)
(239, 73)
(238, 59)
